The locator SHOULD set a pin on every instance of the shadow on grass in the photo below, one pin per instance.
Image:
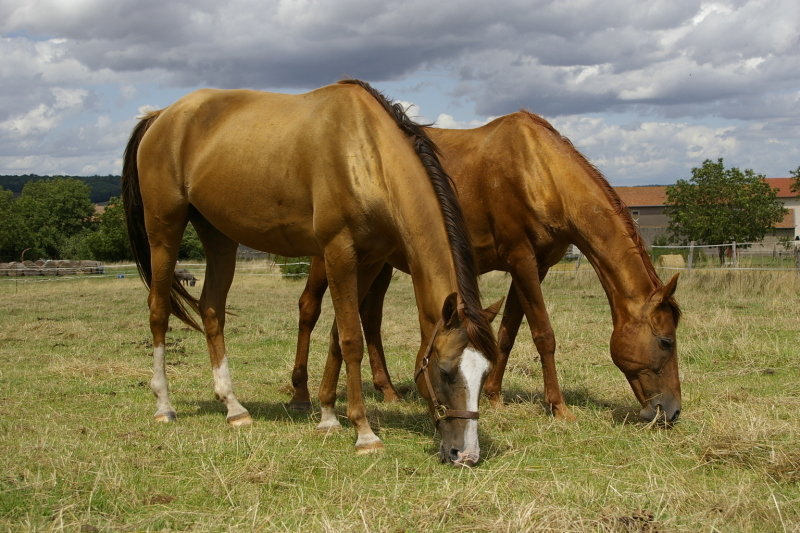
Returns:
(620, 413)
(409, 415)
(389, 415)
(417, 419)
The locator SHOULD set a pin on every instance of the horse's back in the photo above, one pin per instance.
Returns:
(515, 177)
(274, 171)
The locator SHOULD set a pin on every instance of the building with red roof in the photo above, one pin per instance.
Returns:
(646, 205)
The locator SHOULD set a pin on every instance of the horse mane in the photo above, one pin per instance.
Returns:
(619, 207)
(478, 329)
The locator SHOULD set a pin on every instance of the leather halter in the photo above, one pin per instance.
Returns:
(440, 411)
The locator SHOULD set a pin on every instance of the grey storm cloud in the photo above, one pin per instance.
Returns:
(559, 57)
(724, 62)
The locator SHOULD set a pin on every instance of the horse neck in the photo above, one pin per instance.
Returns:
(597, 221)
(425, 252)
(624, 271)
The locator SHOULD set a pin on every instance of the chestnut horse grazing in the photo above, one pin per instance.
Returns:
(527, 194)
(340, 173)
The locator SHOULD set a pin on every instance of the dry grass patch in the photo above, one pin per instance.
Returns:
(84, 367)
(79, 450)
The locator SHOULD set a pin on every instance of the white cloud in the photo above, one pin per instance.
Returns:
(662, 152)
(695, 78)
(37, 120)
(448, 121)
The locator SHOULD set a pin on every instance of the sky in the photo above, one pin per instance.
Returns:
(646, 90)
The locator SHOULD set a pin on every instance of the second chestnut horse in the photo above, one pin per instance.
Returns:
(527, 194)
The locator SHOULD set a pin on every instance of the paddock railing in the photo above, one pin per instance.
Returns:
(30, 272)
(730, 256)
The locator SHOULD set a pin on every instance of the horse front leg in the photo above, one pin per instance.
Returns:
(330, 380)
(525, 273)
(506, 335)
(347, 282)
(310, 305)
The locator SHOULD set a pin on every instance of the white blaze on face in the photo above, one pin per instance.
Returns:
(473, 367)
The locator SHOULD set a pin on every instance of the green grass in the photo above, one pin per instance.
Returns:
(79, 450)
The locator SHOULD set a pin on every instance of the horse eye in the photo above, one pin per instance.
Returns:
(447, 377)
(665, 344)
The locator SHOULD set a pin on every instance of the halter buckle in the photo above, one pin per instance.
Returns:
(440, 412)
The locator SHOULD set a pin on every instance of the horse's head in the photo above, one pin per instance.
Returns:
(645, 349)
(450, 378)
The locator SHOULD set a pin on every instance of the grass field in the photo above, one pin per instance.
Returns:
(79, 450)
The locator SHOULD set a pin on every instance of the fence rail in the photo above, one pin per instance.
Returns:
(732, 255)
(735, 256)
(38, 274)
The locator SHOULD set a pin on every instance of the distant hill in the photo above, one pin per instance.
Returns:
(101, 187)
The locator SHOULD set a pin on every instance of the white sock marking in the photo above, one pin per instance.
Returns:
(328, 419)
(222, 380)
(158, 384)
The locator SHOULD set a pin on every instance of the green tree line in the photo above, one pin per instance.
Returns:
(101, 188)
(55, 218)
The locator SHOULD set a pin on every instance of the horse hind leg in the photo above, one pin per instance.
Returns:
(371, 311)
(220, 265)
(310, 305)
(164, 239)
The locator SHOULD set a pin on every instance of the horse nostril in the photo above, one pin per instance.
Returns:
(675, 415)
(454, 454)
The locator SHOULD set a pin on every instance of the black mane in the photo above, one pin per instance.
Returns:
(478, 329)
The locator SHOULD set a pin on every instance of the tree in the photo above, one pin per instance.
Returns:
(796, 183)
(15, 235)
(719, 205)
(55, 210)
(110, 241)
(191, 247)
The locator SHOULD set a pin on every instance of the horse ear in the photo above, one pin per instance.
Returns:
(491, 311)
(665, 293)
(450, 315)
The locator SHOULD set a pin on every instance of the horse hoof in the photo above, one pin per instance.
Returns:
(495, 400)
(563, 413)
(166, 418)
(390, 396)
(240, 420)
(329, 425)
(372, 447)
(303, 407)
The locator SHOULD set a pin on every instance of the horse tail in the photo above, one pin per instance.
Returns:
(478, 329)
(180, 299)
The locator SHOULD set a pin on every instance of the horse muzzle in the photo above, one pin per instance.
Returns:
(663, 412)
(456, 457)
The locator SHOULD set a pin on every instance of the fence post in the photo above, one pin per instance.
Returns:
(578, 262)
(691, 253)
(797, 258)
(734, 256)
